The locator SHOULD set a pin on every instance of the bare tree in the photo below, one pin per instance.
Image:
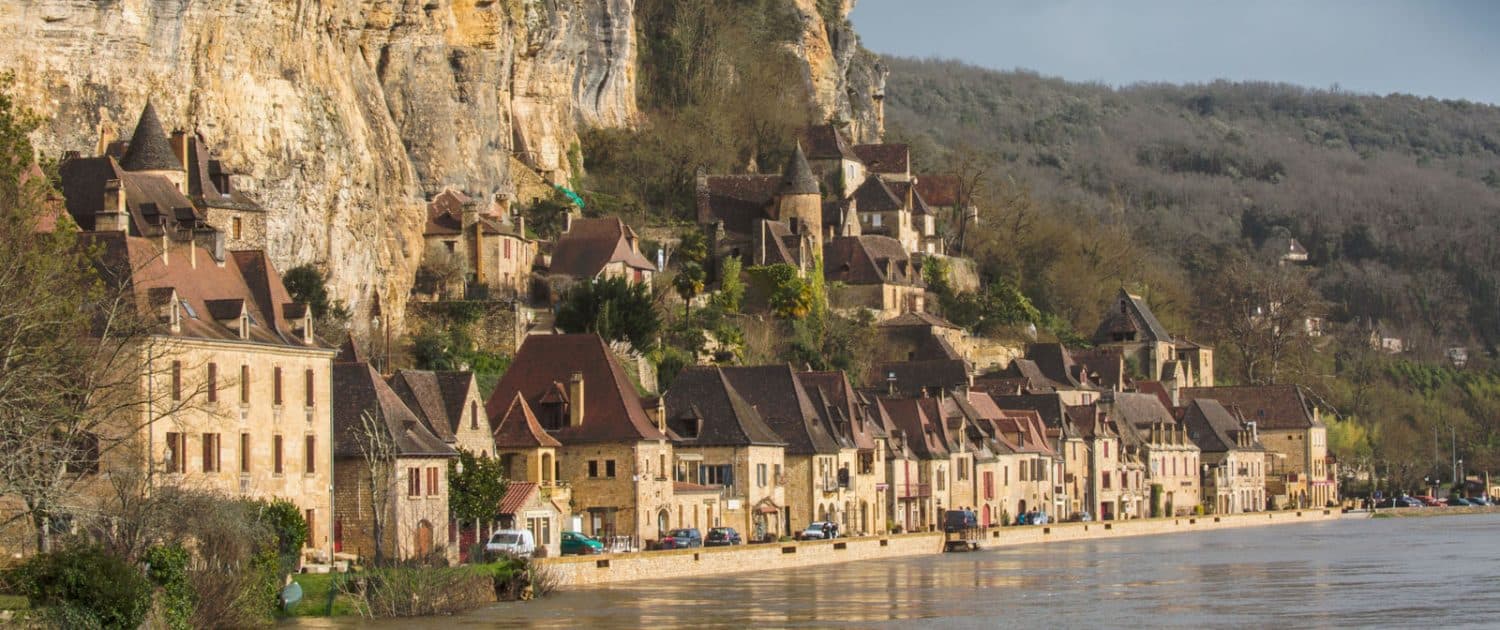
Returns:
(377, 453)
(1260, 313)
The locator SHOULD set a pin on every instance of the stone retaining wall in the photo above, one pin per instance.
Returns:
(576, 571)
(579, 571)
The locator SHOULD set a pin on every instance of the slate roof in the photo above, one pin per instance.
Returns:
(590, 244)
(875, 195)
(840, 407)
(911, 377)
(1135, 316)
(826, 142)
(1049, 407)
(704, 396)
(1270, 407)
(869, 259)
(1213, 427)
(149, 149)
(776, 393)
(890, 159)
(1140, 411)
(1056, 363)
(358, 389)
(1103, 366)
(612, 408)
(939, 190)
(152, 201)
(436, 397)
(797, 177)
(518, 428)
(736, 200)
(204, 172)
(246, 278)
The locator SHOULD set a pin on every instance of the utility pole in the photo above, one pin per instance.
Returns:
(1453, 433)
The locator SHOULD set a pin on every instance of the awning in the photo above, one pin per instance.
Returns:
(766, 509)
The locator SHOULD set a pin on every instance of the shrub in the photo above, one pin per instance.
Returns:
(286, 522)
(85, 586)
(418, 591)
(167, 568)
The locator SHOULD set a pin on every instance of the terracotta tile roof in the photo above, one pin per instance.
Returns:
(612, 408)
(1049, 407)
(518, 428)
(205, 290)
(358, 389)
(919, 431)
(826, 142)
(704, 397)
(203, 172)
(149, 149)
(590, 244)
(776, 393)
(1103, 366)
(797, 177)
(885, 158)
(939, 190)
(518, 494)
(1155, 388)
(1273, 407)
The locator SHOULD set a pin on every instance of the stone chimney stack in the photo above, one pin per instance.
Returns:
(180, 147)
(575, 399)
(661, 414)
(113, 216)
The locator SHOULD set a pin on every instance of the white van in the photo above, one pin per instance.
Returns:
(518, 542)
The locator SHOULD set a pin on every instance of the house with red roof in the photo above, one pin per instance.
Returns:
(591, 249)
(489, 242)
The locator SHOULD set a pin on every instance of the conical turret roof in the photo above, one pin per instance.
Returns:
(797, 178)
(149, 149)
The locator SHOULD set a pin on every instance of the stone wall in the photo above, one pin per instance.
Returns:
(1035, 534)
(577, 571)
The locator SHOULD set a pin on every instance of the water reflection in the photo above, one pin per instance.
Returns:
(1401, 572)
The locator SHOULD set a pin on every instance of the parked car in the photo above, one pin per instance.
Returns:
(1428, 501)
(1481, 501)
(685, 538)
(818, 530)
(1080, 517)
(1458, 501)
(517, 542)
(577, 544)
(722, 537)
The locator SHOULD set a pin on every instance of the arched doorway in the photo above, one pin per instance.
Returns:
(663, 522)
(424, 538)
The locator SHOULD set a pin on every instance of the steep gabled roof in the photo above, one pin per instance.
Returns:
(590, 244)
(939, 190)
(869, 259)
(420, 390)
(889, 159)
(776, 393)
(703, 394)
(518, 428)
(922, 435)
(1140, 411)
(918, 318)
(1049, 407)
(875, 195)
(826, 142)
(359, 390)
(736, 200)
(1270, 407)
(204, 172)
(612, 408)
(841, 408)
(1131, 315)
(152, 201)
(149, 148)
(911, 377)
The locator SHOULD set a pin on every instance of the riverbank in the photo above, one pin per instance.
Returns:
(589, 571)
(1434, 511)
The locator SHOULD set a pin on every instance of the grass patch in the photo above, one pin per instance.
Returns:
(320, 597)
(14, 602)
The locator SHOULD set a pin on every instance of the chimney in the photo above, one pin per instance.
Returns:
(502, 204)
(192, 254)
(470, 213)
(575, 399)
(112, 217)
(568, 221)
(661, 416)
(520, 223)
(180, 147)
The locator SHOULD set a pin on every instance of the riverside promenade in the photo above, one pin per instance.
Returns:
(603, 570)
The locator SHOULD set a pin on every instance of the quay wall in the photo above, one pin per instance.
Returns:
(585, 571)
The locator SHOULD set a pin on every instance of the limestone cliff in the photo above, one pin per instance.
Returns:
(339, 114)
(847, 81)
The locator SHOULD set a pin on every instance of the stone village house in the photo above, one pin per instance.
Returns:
(1234, 479)
(1299, 470)
(492, 246)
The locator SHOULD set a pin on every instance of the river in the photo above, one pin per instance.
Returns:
(1429, 572)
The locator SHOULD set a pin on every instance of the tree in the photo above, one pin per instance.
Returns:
(441, 272)
(731, 287)
(75, 346)
(688, 283)
(475, 494)
(615, 309)
(308, 285)
(787, 293)
(1259, 314)
(377, 455)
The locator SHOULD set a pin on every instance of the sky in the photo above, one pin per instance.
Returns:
(1440, 48)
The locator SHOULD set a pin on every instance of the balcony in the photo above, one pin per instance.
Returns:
(913, 490)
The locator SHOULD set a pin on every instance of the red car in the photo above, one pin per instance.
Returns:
(1429, 501)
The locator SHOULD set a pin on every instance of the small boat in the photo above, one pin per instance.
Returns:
(291, 596)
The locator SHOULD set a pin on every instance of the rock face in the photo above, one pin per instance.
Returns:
(339, 115)
(847, 81)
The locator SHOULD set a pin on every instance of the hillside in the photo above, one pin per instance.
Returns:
(1394, 197)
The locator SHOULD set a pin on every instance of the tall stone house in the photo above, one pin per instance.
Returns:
(1101, 474)
(612, 452)
(1299, 470)
(819, 465)
(1153, 437)
(450, 406)
(845, 411)
(1033, 477)
(720, 439)
(764, 219)
(1149, 349)
(874, 273)
(235, 360)
(534, 495)
(1234, 479)
(490, 242)
(906, 493)
(388, 467)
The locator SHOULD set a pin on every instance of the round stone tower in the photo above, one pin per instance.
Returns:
(799, 200)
